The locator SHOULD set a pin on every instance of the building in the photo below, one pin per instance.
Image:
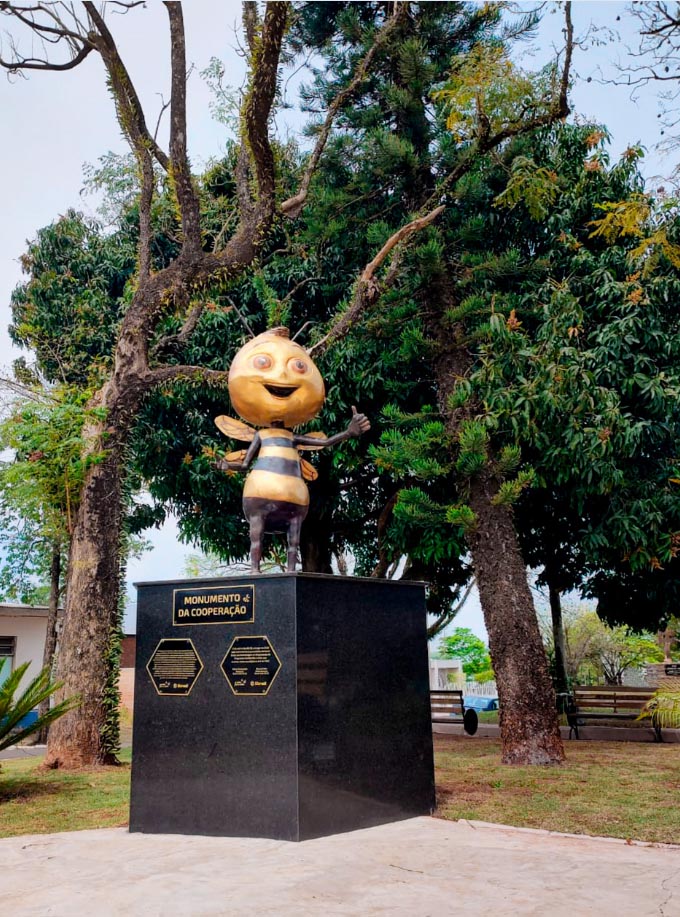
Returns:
(22, 638)
(444, 673)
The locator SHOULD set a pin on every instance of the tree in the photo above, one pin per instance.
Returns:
(489, 102)
(159, 289)
(465, 646)
(37, 490)
(583, 374)
(184, 282)
(597, 651)
(92, 593)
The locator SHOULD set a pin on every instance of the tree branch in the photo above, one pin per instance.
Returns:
(131, 113)
(187, 198)
(367, 291)
(292, 207)
(190, 373)
(36, 63)
(260, 98)
(171, 341)
(447, 616)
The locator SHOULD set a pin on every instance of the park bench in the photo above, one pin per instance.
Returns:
(448, 707)
(607, 702)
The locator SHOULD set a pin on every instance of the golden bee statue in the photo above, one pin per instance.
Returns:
(275, 385)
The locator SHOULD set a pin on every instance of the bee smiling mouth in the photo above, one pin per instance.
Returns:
(281, 391)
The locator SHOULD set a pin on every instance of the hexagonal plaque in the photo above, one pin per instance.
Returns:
(174, 667)
(250, 666)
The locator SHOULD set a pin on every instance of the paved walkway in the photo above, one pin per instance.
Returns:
(418, 867)
(22, 751)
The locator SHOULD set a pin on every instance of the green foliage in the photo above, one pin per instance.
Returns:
(509, 492)
(534, 186)
(576, 345)
(110, 731)
(473, 440)
(508, 459)
(68, 311)
(462, 516)
(484, 81)
(15, 706)
(663, 709)
(472, 652)
(599, 652)
(45, 478)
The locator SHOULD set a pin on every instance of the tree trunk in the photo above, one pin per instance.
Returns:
(528, 717)
(315, 545)
(559, 643)
(51, 629)
(75, 740)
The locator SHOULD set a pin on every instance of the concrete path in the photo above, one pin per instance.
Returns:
(22, 751)
(418, 867)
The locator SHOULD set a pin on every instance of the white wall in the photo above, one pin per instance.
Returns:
(440, 669)
(28, 626)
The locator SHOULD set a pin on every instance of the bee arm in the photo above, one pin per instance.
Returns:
(253, 449)
(322, 443)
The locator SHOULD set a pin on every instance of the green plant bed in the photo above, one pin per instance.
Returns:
(605, 788)
(488, 716)
(37, 801)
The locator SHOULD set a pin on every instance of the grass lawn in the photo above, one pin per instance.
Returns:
(617, 789)
(33, 801)
(627, 790)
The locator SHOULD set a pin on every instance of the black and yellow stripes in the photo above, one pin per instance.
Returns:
(276, 473)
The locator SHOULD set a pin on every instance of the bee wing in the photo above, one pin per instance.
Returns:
(317, 435)
(234, 429)
(309, 472)
(235, 456)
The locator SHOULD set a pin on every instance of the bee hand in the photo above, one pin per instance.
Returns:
(228, 467)
(358, 424)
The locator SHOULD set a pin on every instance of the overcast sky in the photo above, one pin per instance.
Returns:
(53, 123)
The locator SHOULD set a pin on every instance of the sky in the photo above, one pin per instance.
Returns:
(54, 123)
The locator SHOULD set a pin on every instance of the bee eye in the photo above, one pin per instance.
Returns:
(262, 361)
(298, 366)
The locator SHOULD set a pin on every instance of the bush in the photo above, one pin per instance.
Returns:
(13, 709)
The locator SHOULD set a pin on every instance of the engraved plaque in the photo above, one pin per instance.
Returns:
(214, 605)
(250, 666)
(174, 667)
(673, 669)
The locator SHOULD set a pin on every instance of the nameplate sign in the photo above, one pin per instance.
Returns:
(250, 666)
(673, 668)
(214, 605)
(174, 667)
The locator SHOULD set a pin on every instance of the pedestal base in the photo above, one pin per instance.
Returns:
(287, 706)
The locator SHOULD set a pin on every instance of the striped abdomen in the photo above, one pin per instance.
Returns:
(276, 473)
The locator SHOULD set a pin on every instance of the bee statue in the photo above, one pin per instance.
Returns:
(275, 385)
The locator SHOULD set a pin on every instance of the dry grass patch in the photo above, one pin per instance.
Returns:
(616, 789)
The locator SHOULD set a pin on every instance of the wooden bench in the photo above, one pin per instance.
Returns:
(607, 702)
(447, 707)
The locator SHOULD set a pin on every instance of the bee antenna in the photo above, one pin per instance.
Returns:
(241, 318)
(300, 330)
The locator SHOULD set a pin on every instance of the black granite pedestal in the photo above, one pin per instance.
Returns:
(286, 706)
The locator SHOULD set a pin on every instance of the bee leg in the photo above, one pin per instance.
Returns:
(293, 543)
(256, 535)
